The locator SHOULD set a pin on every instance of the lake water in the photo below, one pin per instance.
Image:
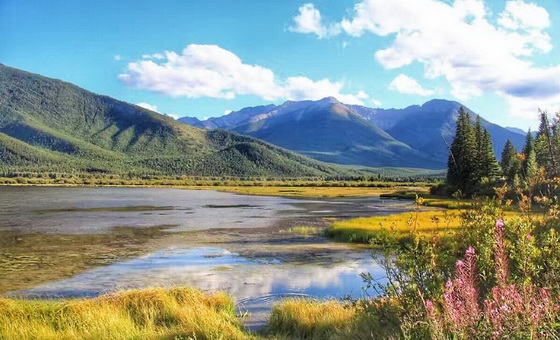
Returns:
(212, 241)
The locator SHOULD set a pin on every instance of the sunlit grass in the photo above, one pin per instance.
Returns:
(308, 319)
(430, 200)
(154, 313)
(316, 319)
(303, 230)
(309, 191)
(397, 227)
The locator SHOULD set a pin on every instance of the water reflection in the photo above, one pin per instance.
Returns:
(255, 283)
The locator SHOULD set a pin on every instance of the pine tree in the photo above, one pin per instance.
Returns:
(508, 163)
(462, 156)
(488, 164)
(544, 146)
(529, 164)
(480, 157)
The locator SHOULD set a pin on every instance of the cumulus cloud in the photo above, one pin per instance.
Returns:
(148, 106)
(309, 21)
(461, 42)
(407, 85)
(117, 57)
(211, 71)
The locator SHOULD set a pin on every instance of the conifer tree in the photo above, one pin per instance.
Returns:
(544, 146)
(529, 164)
(462, 156)
(480, 157)
(488, 163)
(508, 155)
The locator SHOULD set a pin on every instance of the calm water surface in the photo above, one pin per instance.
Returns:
(255, 282)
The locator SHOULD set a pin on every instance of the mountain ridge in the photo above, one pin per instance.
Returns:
(417, 136)
(51, 125)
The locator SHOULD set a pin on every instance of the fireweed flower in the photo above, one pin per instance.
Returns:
(509, 309)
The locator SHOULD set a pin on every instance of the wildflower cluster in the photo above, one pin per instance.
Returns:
(511, 311)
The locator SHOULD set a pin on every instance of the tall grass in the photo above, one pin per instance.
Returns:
(153, 313)
(384, 230)
(308, 319)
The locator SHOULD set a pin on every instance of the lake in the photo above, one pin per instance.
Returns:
(69, 242)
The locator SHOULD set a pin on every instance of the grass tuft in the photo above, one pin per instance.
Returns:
(153, 313)
(308, 319)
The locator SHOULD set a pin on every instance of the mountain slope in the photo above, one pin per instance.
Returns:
(50, 125)
(430, 127)
(329, 131)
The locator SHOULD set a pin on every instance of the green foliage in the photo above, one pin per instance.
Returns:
(471, 157)
(462, 156)
(528, 270)
(48, 125)
(510, 163)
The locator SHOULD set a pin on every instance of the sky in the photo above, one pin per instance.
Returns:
(205, 58)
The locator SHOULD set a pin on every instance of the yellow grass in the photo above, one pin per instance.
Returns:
(153, 313)
(303, 230)
(379, 229)
(309, 191)
(307, 319)
(384, 230)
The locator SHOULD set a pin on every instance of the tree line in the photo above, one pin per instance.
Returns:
(472, 165)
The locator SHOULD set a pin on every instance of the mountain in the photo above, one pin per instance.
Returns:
(430, 127)
(516, 130)
(329, 131)
(54, 126)
(417, 136)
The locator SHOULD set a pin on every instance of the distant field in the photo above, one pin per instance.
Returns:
(285, 188)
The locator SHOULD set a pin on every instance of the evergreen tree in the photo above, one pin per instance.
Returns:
(480, 157)
(529, 164)
(488, 163)
(462, 155)
(544, 146)
(508, 163)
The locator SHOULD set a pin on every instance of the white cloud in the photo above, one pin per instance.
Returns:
(309, 21)
(148, 106)
(174, 116)
(407, 85)
(211, 71)
(157, 56)
(227, 112)
(376, 102)
(459, 41)
(522, 15)
(117, 57)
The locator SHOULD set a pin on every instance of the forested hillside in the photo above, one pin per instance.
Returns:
(50, 125)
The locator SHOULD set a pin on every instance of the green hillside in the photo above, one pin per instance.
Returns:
(50, 125)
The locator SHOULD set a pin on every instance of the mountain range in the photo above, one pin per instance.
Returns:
(417, 136)
(48, 125)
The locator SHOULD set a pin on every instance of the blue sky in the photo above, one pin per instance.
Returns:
(203, 58)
